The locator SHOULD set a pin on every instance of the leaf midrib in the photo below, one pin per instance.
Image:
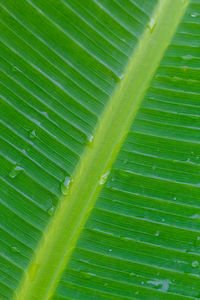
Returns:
(61, 236)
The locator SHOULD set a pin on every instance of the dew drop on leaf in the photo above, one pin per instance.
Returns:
(32, 134)
(161, 285)
(15, 171)
(195, 216)
(117, 78)
(195, 264)
(90, 141)
(14, 249)
(104, 177)
(151, 26)
(65, 185)
(157, 233)
(187, 57)
(51, 210)
(137, 293)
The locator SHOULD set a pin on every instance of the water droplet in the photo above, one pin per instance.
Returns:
(195, 216)
(137, 293)
(104, 177)
(15, 171)
(194, 15)
(187, 57)
(14, 249)
(110, 250)
(163, 219)
(195, 264)
(157, 233)
(188, 159)
(65, 185)
(142, 282)
(32, 134)
(91, 138)
(117, 77)
(162, 285)
(151, 26)
(51, 210)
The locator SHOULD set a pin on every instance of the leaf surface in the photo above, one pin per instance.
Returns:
(100, 150)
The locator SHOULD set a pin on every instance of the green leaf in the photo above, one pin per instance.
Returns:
(100, 152)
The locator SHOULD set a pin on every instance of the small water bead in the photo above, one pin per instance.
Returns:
(162, 285)
(104, 177)
(65, 185)
(90, 138)
(195, 264)
(90, 141)
(187, 57)
(137, 293)
(194, 15)
(195, 216)
(14, 249)
(151, 26)
(163, 220)
(16, 170)
(32, 134)
(157, 233)
(116, 77)
(110, 250)
(51, 210)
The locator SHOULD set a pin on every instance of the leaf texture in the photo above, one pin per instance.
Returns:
(64, 65)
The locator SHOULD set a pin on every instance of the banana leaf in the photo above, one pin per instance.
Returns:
(100, 149)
